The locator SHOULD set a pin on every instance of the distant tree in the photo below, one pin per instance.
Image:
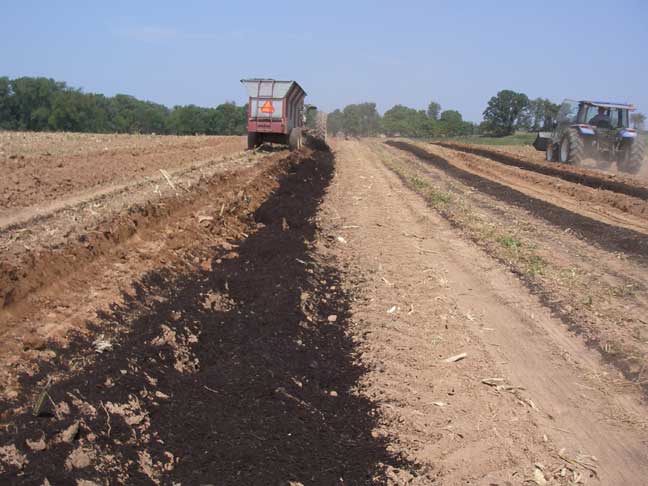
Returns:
(335, 122)
(539, 115)
(408, 122)
(7, 118)
(188, 120)
(32, 101)
(504, 111)
(130, 115)
(226, 119)
(451, 124)
(638, 120)
(361, 120)
(433, 110)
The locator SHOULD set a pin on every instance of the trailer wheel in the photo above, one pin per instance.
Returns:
(572, 148)
(252, 140)
(321, 126)
(633, 157)
(295, 139)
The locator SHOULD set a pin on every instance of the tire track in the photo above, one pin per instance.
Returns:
(569, 174)
(607, 236)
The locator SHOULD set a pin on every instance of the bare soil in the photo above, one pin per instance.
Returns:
(430, 294)
(612, 181)
(44, 167)
(375, 314)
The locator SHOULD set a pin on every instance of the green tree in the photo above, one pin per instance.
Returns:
(189, 120)
(33, 99)
(361, 120)
(451, 123)
(539, 115)
(433, 110)
(226, 119)
(7, 118)
(407, 122)
(335, 122)
(504, 112)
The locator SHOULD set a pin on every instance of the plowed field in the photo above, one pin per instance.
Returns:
(176, 311)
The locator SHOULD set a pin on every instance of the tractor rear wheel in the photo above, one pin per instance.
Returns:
(572, 148)
(633, 157)
(252, 140)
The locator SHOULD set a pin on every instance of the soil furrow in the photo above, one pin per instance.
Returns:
(616, 183)
(238, 371)
(608, 236)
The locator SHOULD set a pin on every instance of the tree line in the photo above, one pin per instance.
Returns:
(507, 112)
(361, 120)
(42, 104)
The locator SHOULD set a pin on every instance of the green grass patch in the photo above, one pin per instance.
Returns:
(520, 138)
(535, 265)
(510, 242)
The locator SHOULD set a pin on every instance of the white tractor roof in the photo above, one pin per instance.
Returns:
(609, 104)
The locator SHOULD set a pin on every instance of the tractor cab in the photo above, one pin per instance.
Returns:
(598, 130)
(603, 115)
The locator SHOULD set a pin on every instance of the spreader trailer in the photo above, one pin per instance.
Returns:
(275, 112)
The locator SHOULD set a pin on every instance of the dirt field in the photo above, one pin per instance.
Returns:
(389, 312)
(40, 169)
(528, 153)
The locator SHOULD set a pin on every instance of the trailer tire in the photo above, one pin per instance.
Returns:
(572, 148)
(252, 140)
(295, 139)
(633, 157)
(320, 126)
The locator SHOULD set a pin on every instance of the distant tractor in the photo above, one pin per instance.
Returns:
(275, 112)
(594, 129)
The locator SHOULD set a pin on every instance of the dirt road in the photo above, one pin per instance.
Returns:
(373, 315)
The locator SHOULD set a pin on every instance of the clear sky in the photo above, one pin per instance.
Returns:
(408, 52)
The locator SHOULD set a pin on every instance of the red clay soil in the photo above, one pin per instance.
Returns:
(44, 167)
(623, 184)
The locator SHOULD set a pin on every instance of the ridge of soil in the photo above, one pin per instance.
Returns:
(623, 184)
(235, 372)
(42, 167)
(600, 297)
(71, 268)
(609, 236)
(437, 319)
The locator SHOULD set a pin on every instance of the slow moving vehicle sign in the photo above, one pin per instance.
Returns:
(267, 107)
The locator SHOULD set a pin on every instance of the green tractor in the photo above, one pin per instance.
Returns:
(597, 130)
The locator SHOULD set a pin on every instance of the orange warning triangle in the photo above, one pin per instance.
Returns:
(267, 107)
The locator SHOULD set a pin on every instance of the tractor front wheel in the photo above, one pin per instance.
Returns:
(572, 148)
(551, 152)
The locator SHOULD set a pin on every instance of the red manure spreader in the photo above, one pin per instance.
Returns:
(275, 112)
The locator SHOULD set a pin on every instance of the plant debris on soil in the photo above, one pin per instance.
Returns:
(381, 312)
(233, 374)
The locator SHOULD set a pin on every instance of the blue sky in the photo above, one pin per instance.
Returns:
(408, 52)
